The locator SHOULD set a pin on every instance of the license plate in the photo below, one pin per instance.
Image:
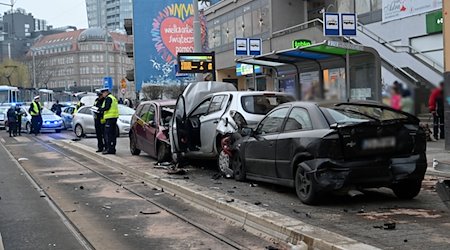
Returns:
(379, 143)
(2, 116)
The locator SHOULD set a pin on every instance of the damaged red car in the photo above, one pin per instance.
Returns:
(321, 147)
(150, 127)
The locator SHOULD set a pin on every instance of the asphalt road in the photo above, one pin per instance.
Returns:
(106, 214)
(421, 223)
(27, 220)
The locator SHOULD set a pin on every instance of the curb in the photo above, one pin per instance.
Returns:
(1, 243)
(255, 219)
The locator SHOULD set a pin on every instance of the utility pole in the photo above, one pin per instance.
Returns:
(197, 33)
(446, 31)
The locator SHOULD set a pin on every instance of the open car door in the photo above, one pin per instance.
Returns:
(178, 130)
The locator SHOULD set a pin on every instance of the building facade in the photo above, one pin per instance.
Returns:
(109, 13)
(77, 60)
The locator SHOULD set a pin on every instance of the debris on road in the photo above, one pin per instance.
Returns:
(386, 215)
(308, 215)
(42, 196)
(22, 159)
(257, 203)
(229, 200)
(177, 171)
(106, 207)
(149, 212)
(387, 226)
(70, 211)
(216, 176)
(81, 187)
(253, 185)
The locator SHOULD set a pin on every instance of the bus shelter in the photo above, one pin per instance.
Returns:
(319, 71)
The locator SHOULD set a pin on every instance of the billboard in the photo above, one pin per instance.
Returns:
(397, 9)
(161, 29)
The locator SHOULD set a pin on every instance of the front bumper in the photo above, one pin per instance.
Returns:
(124, 128)
(331, 174)
(52, 126)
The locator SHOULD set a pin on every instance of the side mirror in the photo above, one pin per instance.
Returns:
(247, 132)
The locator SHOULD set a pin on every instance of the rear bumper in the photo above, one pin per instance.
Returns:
(332, 175)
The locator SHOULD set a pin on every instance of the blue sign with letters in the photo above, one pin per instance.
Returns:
(108, 82)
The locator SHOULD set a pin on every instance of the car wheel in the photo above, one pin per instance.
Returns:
(133, 148)
(79, 131)
(407, 189)
(305, 187)
(28, 128)
(162, 153)
(58, 130)
(224, 164)
(238, 167)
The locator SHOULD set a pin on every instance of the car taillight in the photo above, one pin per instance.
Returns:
(225, 143)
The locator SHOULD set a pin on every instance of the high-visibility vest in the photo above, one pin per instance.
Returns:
(35, 110)
(113, 111)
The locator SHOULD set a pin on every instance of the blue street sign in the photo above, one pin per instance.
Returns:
(108, 82)
(254, 46)
(348, 24)
(241, 46)
(331, 25)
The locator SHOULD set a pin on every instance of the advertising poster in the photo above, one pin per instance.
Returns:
(397, 9)
(161, 29)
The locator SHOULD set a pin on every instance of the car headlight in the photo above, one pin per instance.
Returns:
(124, 121)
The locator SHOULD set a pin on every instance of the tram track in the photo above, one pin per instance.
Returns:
(203, 228)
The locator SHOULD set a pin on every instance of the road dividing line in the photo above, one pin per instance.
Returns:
(22, 139)
(3, 140)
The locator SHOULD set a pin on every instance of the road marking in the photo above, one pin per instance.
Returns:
(1, 243)
(22, 139)
(71, 227)
(3, 140)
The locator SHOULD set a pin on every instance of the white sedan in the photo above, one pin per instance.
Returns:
(83, 121)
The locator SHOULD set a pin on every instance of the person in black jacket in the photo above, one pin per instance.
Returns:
(99, 126)
(12, 120)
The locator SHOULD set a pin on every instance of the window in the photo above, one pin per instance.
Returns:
(217, 103)
(202, 108)
(85, 110)
(149, 113)
(273, 122)
(298, 119)
(262, 104)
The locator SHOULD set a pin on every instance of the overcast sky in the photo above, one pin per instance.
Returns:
(57, 12)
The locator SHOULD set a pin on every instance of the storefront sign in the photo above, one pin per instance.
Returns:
(435, 22)
(243, 69)
(299, 43)
(397, 9)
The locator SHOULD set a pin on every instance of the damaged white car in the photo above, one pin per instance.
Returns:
(204, 115)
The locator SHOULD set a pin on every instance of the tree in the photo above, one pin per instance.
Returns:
(153, 92)
(173, 91)
(14, 73)
(43, 71)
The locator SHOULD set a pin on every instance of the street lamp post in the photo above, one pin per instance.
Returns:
(33, 52)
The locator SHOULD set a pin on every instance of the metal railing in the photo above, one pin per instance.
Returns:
(306, 25)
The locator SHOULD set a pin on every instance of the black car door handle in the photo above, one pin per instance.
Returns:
(215, 122)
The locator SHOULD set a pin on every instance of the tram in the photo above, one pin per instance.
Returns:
(9, 94)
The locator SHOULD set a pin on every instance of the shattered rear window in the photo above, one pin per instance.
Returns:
(355, 113)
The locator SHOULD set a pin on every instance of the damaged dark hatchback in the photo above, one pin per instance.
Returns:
(321, 147)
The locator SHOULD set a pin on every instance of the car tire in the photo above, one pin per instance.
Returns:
(133, 147)
(79, 132)
(407, 190)
(58, 130)
(28, 127)
(305, 187)
(162, 152)
(238, 167)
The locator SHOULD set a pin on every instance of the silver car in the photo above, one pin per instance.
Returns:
(3, 116)
(83, 121)
(197, 130)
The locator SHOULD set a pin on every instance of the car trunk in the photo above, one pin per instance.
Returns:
(377, 139)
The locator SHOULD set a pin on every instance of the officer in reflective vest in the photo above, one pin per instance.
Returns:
(36, 117)
(99, 123)
(110, 111)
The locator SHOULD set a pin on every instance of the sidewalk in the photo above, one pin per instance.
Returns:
(436, 151)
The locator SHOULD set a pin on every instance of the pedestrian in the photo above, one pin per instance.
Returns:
(110, 111)
(56, 108)
(407, 103)
(436, 107)
(12, 120)
(120, 100)
(19, 113)
(36, 117)
(396, 97)
(99, 123)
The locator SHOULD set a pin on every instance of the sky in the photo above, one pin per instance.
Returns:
(57, 12)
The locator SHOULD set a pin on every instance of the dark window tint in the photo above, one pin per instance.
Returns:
(85, 110)
(298, 119)
(262, 104)
(273, 122)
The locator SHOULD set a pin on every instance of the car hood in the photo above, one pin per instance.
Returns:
(125, 117)
(196, 91)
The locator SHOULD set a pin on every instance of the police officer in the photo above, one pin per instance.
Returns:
(36, 117)
(110, 111)
(99, 123)
(20, 113)
(12, 121)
